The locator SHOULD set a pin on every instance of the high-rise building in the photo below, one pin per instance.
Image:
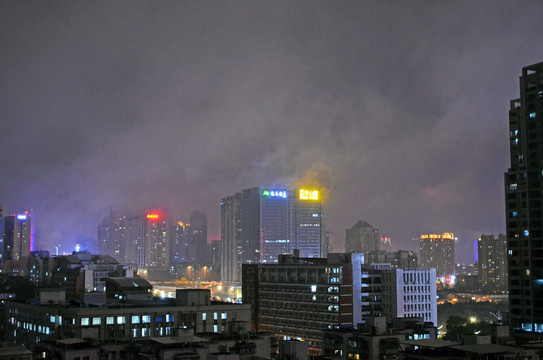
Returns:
(523, 203)
(198, 224)
(250, 225)
(136, 240)
(274, 224)
(181, 243)
(307, 221)
(231, 238)
(112, 236)
(437, 251)
(158, 246)
(259, 224)
(17, 235)
(492, 269)
(362, 237)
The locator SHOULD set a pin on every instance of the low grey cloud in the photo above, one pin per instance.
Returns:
(399, 109)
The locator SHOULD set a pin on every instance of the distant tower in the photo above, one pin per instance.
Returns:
(17, 233)
(437, 251)
(273, 227)
(180, 243)
(362, 238)
(231, 245)
(215, 252)
(158, 246)
(198, 224)
(524, 203)
(136, 240)
(492, 254)
(307, 221)
(112, 237)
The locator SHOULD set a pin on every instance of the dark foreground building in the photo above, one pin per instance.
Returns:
(301, 298)
(129, 316)
(523, 204)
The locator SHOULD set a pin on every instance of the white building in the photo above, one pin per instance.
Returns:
(410, 293)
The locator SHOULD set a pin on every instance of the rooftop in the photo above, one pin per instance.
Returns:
(431, 343)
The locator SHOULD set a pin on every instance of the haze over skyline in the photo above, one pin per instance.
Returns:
(398, 109)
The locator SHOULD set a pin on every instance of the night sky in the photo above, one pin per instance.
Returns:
(398, 109)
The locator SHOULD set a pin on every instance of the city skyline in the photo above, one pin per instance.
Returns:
(398, 111)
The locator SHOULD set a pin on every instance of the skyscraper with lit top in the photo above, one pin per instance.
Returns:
(17, 238)
(524, 204)
(307, 221)
(181, 240)
(274, 224)
(158, 245)
(437, 251)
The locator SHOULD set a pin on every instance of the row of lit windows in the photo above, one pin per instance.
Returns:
(31, 327)
(528, 327)
(120, 320)
(215, 316)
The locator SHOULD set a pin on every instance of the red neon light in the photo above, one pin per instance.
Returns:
(152, 216)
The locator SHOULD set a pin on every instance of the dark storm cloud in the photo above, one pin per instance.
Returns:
(398, 108)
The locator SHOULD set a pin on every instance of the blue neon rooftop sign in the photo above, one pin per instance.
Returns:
(275, 193)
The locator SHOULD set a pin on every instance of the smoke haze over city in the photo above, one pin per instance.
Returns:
(398, 110)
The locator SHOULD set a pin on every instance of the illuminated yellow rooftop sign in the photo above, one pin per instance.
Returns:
(436, 236)
(309, 194)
